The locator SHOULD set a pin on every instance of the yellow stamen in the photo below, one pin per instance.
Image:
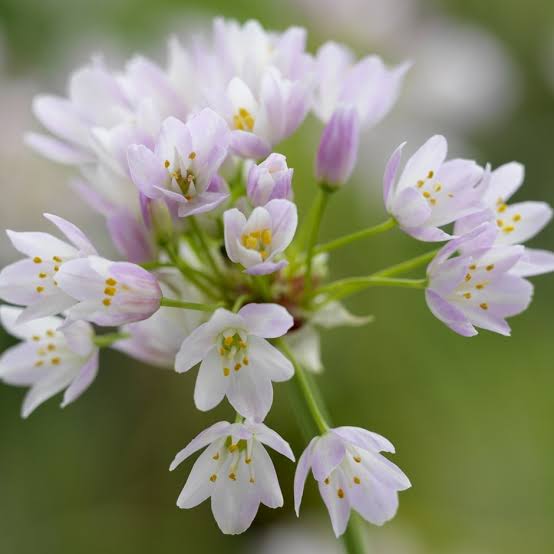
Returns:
(431, 174)
(467, 295)
(42, 275)
(247, 460)
(357, 480)
(37, 260)
(111, 282)
(473, 267)
(50, 333)
(245, 361)
(480, 286)
(501, 208)
(340, 493)
(213, 478)
(468, 277)
(215, 456)
(222, 351)
(266, 237)
(39, 289)
(251, 243)
(166, 164)
(237, 367)
(232, 476)
(192, 155)
(36, 338)
(438, 187)
(517, 217)
(107, 301)
(326, 481)
(57, 259)
(228, 341)
(490, 267)
(427, 194)
(252, 480)
(110, 291)
(357, 459)
(484, 306)
(51, 347)
(39, 363)
(500, 222)
(420, 183)
(508, 229)
(226, 371)
(56, 361)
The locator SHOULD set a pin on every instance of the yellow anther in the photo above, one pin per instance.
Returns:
(110, 282)
(226, 371)
(484, 306)
(340, 493)
(237, 367)
(51, 347)
(266, 237)
(37, 260)
(57, 259)
(252, 480)
(357, 459)
(215, 456)
(427, 194)
(56, 361)
(245, 360)
(438, 187)
(500, 222)
(42, 275)
(247, 460)
(243, 120)
(450, 195)
(473, 267)
(56, 268)
(263, 254)
(501, 208)
(517, 217)
(326, 481)
(251, 243)
(39, 363)
(467, 295)
(110, 291)
(228, 341)
(431, 174)
(107, 301)
(41, 352)
(420, 183)
(468, 277)
(192, 155)
(232, 448)
(39, 289)
(222, 351)
(490, 267)
(232, 476)
(50, 333)
(433, 201)
(36, 338)
(256, 234)
(480, 286)
(508, 229)
(357, 480)
(242, 344)
(213, 478)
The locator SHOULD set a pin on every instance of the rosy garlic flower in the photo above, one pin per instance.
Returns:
(269, 180)
(237, 361)
(48, 360)
(235, 471)
(256, 241)
(183, 167)
(431, 192)
(477, 288)
(351, 474)
(33, 282)
(109, 293)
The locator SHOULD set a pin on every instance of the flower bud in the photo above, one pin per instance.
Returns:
(269, 180)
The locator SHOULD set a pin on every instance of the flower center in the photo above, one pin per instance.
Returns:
(46, 354)
(260, 241)
(241, 452)
(46, 272)
(506, 224)
(475, 281)
(109, 291)
(243, 120)
(233, 349)
(431, 189)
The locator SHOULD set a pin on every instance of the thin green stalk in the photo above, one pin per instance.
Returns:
(155, 265)
(239, 302)
(320, 205)
(206, 249)
(172, 303)
(358, 235)
(354, 540)
(103, 341)
(408, 265)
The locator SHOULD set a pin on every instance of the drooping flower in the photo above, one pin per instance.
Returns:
(256, 241)
(431, 192)
(183, 167)
(517, 223)
(351, 474)
(235, 470)
(477, 288)
(33, 282)
(48, 360)
(237, 361)
(269, 180)
(109, 293)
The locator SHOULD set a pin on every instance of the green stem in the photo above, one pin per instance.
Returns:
(103, 341)
(172, 303)
(408, 265)
(206, 248)
(239, 302)
(354, 540)
(319, 209)
(364, 233)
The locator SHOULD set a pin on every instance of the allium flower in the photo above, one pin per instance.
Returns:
(477, 288)
(269, 180)
(256, 241)
(109, 293)
(235, 471)
(351, 474)
(517, 223)
(49, 360)
(431, 192)
(237, 361)
(183, 168)
(33, 282)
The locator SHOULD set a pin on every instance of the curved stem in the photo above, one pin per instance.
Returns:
(103, 341)
(319, 209)
(172, 303)
(358, 235)
(239, 302)
(408, 265)
(205, 248)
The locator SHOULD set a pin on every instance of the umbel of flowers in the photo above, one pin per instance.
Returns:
(216, 270)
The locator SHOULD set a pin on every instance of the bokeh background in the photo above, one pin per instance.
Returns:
(473, 420)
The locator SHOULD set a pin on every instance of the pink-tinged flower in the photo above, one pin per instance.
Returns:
(367, 85)
(517, 223)
(431, 192)
(352, 474)
(109, 293)
(48, 360)
(33, 282)
(237, 361)
(477, 288)
(256, 241)
(183, 166)
(338, 148)
(235, 470)
(269, 180)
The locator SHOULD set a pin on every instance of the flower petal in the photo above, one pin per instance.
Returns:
(211, 383)
(83, 380)
(268, 360)
(266, 320)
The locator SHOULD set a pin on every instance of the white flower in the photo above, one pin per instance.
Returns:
(235, 471)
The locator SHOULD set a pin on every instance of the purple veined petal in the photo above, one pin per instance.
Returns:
(298, 104)
(269, 180)
(508, 295)
(452, 273)
(42, 245)
(79, 336)
(194, 348)
(175, 138)
(147, 171)
(202, 203)
(56, 150)
(428, 158)
(364, 439)
(410, 208)
(284, 220)
(391, 172)
(522, 221)
(83, 380)
(78, 279)
(234, 222)
(385, 471)
(260, 218)
(450, 315)
(209, 435)
(270, 438)
(266, 478)
(248, 145)
(73, 234)
(269, 360)
(337, 505)
(250, 392)
(48, 306)
(266, 320)
(9, 316)
(504, 182)
(210, 139)
(18, 282)
(427, 234)
(272, 117)
(301, 473)
(266, 268)
(534, 262)
(211, 383)
(470, 222)
(17, 365)
(487, 320)
(130, 238)
(329, 452)
(44, 389)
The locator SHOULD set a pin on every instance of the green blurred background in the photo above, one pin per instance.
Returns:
(472, 420)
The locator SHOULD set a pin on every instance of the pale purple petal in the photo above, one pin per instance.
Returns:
(329, 452)
(83, 380)
(534, 262)
(56, 150)
(211, 383)
(194, 348)
(410, 208)
(146, 169)
(248, 145)
(130, 237)
(269, 360)
(364, 439)
(270, 438)
(266, 478)
(389, 178)
(450, 315)
(266, 320)
(266, 268)
(250, 392)
(43, 390)
(302, 469)
(73, 234)
(284, 220)
(338, 507)
(234, 222)
(202, 203)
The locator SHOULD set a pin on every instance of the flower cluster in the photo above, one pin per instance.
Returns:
(181, 162)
